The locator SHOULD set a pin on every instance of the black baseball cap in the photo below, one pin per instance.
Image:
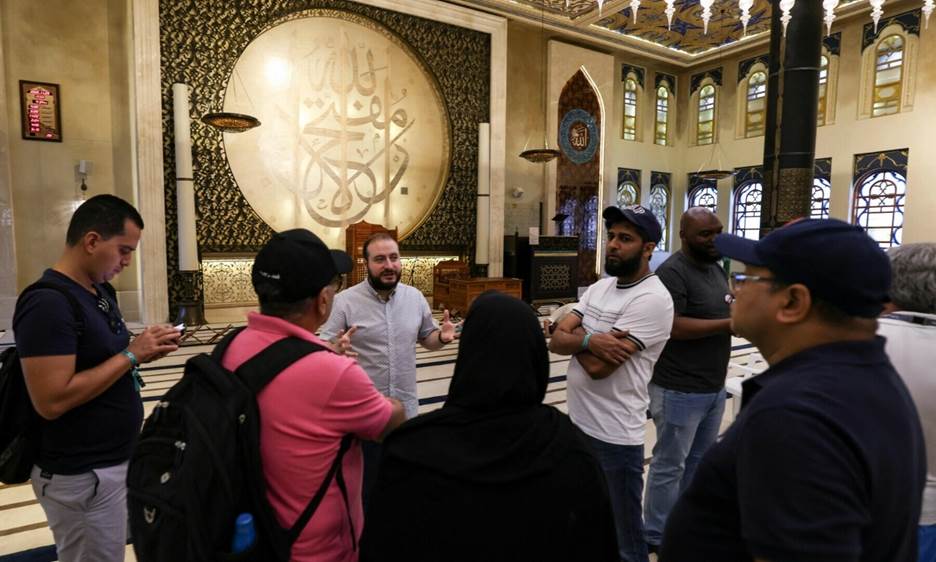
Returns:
(299, 264)
(641, 217)
(838, 262)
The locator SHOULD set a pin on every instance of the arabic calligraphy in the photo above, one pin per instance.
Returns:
(350, 118)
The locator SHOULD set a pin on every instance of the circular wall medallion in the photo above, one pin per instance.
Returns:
(578, 136)
(354, 126)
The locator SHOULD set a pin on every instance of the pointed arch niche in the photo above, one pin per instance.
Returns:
(578, 171)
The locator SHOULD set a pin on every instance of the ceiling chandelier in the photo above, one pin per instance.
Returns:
(744, 6)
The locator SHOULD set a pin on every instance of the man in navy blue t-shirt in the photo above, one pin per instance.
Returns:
(82, 379)
(826, 460)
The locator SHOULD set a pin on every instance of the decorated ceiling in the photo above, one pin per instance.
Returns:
(687, 34)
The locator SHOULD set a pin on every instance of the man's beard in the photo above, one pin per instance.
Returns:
(623, 267)
(380, 285)
(702, 255)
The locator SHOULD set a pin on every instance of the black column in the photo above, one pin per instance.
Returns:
(792, 99)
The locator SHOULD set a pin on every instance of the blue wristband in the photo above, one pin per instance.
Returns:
(133, 360)
(585, 342)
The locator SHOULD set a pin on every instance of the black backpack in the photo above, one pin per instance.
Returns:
(197, 463)
(20, 424)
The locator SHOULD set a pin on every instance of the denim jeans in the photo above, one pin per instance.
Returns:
(686, 425)
(927, 540)
(623, 468)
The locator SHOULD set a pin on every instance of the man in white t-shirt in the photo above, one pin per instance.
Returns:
(910, 330)
(615, 334)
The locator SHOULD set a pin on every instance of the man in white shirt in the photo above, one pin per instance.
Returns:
(615, 334)
(910, 329)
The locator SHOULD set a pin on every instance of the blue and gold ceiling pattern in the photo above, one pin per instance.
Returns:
(687, 33)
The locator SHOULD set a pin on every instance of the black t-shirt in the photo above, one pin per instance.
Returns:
(100, 432)
(698, 291)
(825, 462)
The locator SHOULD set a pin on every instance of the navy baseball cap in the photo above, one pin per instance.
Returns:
(838, 262)
(299, 264)
(641, 217)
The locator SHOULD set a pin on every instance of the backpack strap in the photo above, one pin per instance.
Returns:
(263, 367)
(63, 290)
(218, 352)
(335, 468)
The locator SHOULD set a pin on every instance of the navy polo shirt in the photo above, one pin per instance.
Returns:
(102, 431)
(825, 462)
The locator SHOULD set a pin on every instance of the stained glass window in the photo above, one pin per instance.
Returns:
(705, 132)
(661, 131)
(821, 192)
(879, 205)
(756, 105)
(630, 109)
(823, 85)
(628, 193)
(659, 206)
(704, 194)
(590, 232)
(747, 210)
(569, 208)
(888, 72)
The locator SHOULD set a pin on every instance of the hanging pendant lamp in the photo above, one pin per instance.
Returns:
(544, 154)
(228, 121)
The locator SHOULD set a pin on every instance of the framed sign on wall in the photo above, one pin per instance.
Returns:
(39, 108)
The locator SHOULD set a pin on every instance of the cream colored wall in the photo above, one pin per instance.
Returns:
(525, 126)
(83, 47)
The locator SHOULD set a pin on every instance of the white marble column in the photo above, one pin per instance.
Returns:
(147, 111)
(7, 241)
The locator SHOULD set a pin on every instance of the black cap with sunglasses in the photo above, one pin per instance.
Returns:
(299, 264)
(838, 262)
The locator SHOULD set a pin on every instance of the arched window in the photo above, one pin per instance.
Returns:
(630, 109)
(704, 194)
(823, 85)
(879, 205)
(661, 129)
(821, 192)
(659, 206)
(747, 210)
(628, 193)
(705, 132)
(888, 73)
(756, 105)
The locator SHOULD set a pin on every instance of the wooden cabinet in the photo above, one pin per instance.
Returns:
(462, 292)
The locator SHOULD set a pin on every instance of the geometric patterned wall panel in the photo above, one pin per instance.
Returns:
(200, 41)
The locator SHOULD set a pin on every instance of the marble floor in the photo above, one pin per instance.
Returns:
(22, 522)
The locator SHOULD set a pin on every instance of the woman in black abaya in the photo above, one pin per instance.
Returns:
(494, 474)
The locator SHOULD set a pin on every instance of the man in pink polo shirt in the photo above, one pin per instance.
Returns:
(310, 406)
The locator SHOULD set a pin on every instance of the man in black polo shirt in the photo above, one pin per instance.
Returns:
(826, 460)
(85, 383)
(687, 392)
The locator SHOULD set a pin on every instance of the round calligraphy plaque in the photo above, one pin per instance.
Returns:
(353, 126)
(578, 136)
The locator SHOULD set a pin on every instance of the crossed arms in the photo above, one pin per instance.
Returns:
(604, 354)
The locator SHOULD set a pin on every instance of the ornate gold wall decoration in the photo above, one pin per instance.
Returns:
(200, 41)
(354, 126)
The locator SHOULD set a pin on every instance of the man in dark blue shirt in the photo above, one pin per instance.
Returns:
(826, 460)
(82, 379)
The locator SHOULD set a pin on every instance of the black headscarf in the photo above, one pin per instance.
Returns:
(494, 474)
(494, 427)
